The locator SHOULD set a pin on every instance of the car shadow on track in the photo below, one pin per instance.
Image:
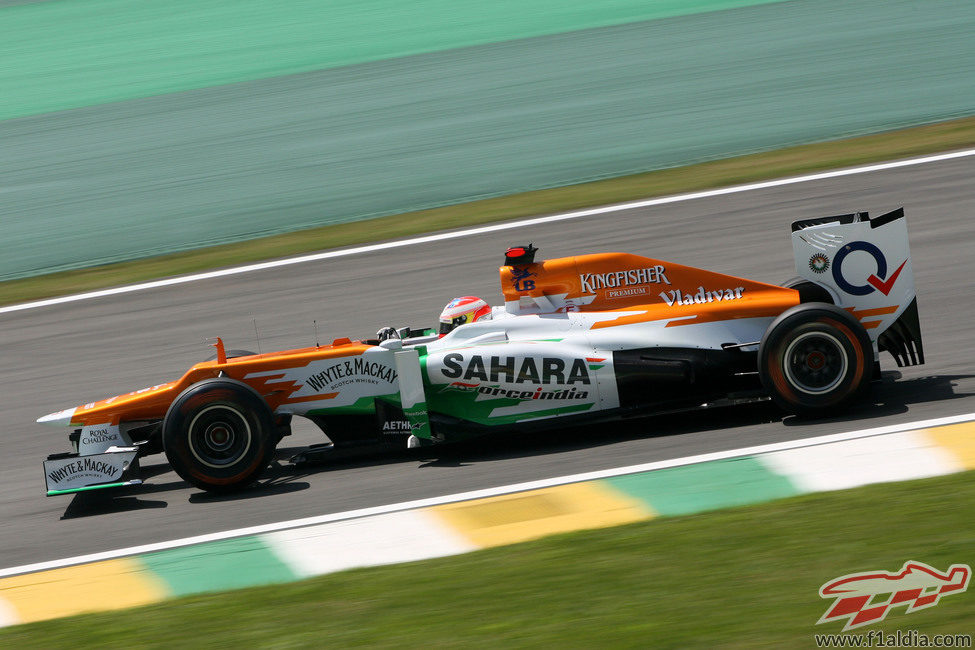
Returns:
(513, 445)
(121, 499)
(890, 396)
(270, 485)
(510, 445)
(87, 504)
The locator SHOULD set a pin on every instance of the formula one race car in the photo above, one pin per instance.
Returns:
(586, 338)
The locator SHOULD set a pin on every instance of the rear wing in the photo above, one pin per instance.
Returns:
(865, 265)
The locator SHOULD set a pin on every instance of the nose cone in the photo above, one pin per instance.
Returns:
(59, 419)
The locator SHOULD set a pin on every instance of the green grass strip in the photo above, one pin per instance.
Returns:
(944, 136)
(742, 578)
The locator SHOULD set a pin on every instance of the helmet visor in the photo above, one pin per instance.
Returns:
(448, 326)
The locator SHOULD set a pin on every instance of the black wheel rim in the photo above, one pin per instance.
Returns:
(815, 362)
(219, 436)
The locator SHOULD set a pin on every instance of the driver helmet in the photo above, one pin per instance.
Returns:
(460, 311)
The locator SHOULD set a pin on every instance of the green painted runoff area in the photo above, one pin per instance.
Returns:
(738, 578)
(227, 564)
(181, 171)
(59, 55)
(706, 486)
(248, 561)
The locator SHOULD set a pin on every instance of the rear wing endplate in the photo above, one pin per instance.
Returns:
(865, 264)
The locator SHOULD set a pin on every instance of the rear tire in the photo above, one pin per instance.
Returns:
(814, 359)
(219, 435)
(809, 291)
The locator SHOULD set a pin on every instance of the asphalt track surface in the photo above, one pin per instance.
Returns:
(63, 355)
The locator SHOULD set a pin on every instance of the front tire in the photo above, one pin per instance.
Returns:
(815, 358)
(219, 435)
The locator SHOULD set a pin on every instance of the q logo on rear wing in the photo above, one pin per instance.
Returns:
(876, 281)
(864, 265)
(866, 598)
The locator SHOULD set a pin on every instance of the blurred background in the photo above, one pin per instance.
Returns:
(130, 129)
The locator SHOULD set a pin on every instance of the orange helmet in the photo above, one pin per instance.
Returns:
(463, 310)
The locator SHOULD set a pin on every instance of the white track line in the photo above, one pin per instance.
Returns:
(575, 214)
(488, 492)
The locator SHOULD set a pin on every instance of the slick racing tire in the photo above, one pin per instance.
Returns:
(809, 291)
(815, 358)
(219, 435)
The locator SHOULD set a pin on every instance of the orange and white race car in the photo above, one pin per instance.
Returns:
(584, 338)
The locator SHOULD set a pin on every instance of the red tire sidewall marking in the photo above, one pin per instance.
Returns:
(854, 342)
(777, 374)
